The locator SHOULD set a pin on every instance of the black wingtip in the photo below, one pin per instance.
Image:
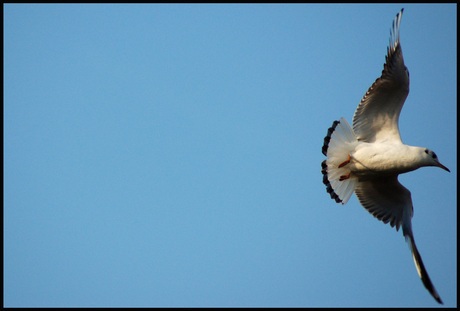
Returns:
(421, 267)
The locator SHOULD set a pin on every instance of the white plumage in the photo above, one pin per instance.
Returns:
(368, 158)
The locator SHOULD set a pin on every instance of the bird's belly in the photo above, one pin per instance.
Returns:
(378, 161)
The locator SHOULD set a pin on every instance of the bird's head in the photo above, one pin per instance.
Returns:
(432, 160)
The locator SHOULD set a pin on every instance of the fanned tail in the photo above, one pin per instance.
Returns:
(338, 143)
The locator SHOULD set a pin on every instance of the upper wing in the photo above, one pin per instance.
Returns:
(386, 199)
(377, 115)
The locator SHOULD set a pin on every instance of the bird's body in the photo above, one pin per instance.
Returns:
(368, 158)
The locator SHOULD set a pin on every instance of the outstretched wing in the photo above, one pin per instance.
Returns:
(389, 201)
(377, 115)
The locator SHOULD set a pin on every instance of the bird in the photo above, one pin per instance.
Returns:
(367, 158)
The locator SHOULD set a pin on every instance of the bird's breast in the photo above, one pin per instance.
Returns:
(381, 159)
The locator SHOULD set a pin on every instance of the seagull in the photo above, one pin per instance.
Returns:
(368, 158)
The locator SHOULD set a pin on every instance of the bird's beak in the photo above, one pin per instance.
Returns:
(443, 167)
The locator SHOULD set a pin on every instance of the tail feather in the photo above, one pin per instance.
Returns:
(327, 139)
(338, 143)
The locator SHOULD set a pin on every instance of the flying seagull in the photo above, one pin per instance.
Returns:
(368, 158)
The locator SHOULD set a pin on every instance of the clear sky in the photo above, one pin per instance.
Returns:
(170, 155)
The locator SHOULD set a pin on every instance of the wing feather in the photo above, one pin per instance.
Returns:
(386, 199)
(377, 115)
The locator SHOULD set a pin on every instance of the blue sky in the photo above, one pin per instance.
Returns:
(169, 155)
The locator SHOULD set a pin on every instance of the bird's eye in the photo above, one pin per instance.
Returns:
(431, 153)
